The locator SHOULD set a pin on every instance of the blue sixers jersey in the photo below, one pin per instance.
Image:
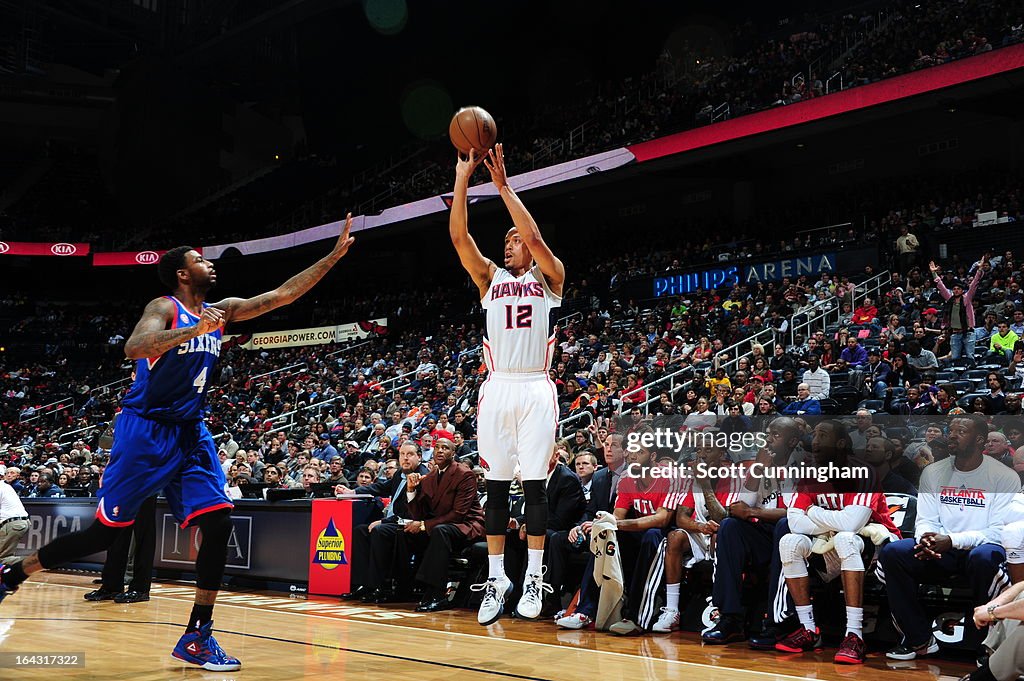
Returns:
(172, 387)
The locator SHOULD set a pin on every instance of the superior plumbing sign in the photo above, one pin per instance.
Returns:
(318, 335)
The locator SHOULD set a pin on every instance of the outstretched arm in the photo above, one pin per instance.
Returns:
(152, 338)
(529, 232)
(238, 309)
(480, 269)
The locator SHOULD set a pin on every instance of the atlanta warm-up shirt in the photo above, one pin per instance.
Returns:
(970, 507)
(519, 326)
(172, 387)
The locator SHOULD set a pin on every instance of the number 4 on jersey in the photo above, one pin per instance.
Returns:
(200, 381)
(523, 317)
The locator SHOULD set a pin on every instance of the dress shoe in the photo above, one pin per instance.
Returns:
(132, 597)
(355, 593)
(728, 630)
(770, 634)
(101, 594)
(434, 604)
(383, 596)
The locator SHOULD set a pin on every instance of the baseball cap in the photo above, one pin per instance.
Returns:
(931, 310)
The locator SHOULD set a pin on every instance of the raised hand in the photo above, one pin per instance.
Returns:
(344, 241)
(933, 267)
(495, 163)
(464, 167)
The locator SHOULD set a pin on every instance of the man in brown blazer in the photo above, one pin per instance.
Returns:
(446, 518)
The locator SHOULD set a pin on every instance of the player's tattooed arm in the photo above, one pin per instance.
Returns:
(152, 338)
(238, 309)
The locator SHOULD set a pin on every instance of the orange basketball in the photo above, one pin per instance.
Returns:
(472, 128)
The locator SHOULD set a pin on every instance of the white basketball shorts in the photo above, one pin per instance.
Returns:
(517, 417)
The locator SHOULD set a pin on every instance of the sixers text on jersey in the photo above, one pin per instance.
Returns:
(172, 387)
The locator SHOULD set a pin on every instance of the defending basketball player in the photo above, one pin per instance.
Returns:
(162, 441)
(517, 412)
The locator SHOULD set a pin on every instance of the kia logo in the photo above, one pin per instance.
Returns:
(63, 249)
(146, 257)
(4, 247)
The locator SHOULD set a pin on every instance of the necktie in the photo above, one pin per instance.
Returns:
(398, 493)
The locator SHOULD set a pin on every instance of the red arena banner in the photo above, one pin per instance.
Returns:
(43, 248)
(127, 258)
(330, 547)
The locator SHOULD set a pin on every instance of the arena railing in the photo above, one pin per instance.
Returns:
(109, 387)
(65, 438)
(575, 417)
(670, 378)
(301, 366)
(48, 409)
(348, 349)
(291, 415)
(868, 288)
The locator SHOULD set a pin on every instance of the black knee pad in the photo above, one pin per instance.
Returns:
(496, 514)
(536, 494)
(93, 539)
(212, 556)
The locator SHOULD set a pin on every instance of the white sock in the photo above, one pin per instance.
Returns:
(497, 567)
(672, 597)
(806, 615)
(855, 621)
(534, 562)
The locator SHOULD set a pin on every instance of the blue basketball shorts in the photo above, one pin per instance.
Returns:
(149, 456)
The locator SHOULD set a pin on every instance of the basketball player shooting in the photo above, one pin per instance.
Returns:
(517, 413)
(162, 442)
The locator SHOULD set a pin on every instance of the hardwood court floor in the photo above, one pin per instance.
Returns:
(282, 638)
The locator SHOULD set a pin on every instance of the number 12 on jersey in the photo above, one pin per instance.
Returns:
(518, 316)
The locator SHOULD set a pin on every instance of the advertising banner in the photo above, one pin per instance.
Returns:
(49, 519)
(727, 275)
(541, 177)
(330, 547)
(318, 335)
(42, 248)
(128, 258)
(267, 541)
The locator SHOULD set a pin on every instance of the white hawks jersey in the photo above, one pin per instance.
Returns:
(519, 329)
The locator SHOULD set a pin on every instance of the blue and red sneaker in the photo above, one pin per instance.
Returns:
(5, 590)
(201, 649)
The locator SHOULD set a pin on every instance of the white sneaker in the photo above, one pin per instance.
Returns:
(493, 605)
(577, 620)
(624, 628)
(667, 622)
(532, 601)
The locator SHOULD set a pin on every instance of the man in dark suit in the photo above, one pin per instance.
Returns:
(603, 489)
(566, 503)
(366, 584)
(446, 517)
